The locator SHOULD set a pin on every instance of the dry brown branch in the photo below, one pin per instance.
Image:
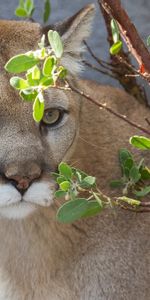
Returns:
(129, 34)
(123, 64)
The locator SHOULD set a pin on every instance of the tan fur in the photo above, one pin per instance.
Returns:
(101, 258)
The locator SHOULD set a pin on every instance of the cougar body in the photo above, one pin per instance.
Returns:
(106, 257)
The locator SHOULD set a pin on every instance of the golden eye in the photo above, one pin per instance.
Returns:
(52, 116)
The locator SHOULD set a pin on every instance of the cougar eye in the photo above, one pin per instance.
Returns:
(52, 116)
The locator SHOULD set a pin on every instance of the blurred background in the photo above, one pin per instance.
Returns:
(138, 10)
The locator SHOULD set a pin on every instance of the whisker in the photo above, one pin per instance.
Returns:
(91, 144)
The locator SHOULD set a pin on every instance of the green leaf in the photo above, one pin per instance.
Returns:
(116, 183)
(21, 12)
(62, 72)
(143, 192)
(72, 210)
(140, 142)
(145, 173)
(124, 154)
(128, 163)
(28, 95)
(29, 6)
(32, 82)
(148, 41)
(82, 174)
(135, 174)
(115, 30)
(65, 170)
(41, 44)
(65, 185)
(21, 63)
(60, 194)
(46, 81)
(43, 52)
(56, 43)
(47, 10)
(48, 66)
(21, 3)
(93, 209)
(115, 48)
(125, 171)
(60, 179)
(38, 109)
(19, 83)
(89, 181)
(36, 73)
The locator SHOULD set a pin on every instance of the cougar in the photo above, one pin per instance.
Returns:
(105, 257)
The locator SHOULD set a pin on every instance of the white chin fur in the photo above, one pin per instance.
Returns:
(11, 206)
(8, 195)
(41, 193)
(17, 211)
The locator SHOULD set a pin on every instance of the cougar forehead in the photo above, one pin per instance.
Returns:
(17, 37)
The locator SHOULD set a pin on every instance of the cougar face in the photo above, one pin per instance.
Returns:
(29, 152)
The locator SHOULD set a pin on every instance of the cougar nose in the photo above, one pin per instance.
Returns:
(22, 177)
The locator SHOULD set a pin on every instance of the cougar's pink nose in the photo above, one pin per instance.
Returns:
(23, 176)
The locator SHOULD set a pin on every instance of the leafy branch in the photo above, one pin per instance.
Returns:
(43, 70)
(26, 9)
(83, 198)
(129, 34)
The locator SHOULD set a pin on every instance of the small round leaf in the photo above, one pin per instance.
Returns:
(65, 170)
(21, 12)
(56, 43)
(115, 48)
(65, 185)
(19, 83)
(38, 109)
(48, 66)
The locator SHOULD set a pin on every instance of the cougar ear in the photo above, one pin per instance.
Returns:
(73, 31)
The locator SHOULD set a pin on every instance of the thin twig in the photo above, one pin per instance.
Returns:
(101, 62)
(98, 69)
(145, 204)
(109, 109)
(143, 210)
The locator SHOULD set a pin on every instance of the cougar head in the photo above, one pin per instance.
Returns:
(29, 152)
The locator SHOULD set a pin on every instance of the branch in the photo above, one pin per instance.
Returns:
(109, 109)
(124, 66)
(98, 69)
(101, 62)
(129, 33)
